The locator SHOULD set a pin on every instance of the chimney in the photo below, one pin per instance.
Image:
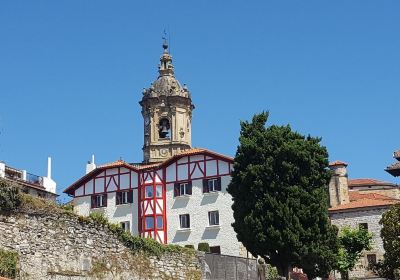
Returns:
(49, 167)
(338, 185)
(90, 166)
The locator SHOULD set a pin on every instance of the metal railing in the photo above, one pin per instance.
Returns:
(34, 179)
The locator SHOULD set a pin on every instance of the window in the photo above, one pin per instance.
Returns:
(149, 192)
(363, 225)
(99, 201)
(184, 221)
(124, 197)
(215, 249)
(184, 188)
(160, 223)
(125, 226)
(213, 218)
(149, 223)
(371, 259)
(212, 185)
(158, 191)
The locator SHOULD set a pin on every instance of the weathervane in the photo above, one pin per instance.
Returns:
(164, 37)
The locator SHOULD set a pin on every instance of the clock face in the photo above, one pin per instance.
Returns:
(146, 121)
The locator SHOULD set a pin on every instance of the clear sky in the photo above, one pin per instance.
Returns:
(72, 74)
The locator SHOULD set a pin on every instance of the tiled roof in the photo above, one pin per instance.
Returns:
(337, 163)
(396, 154)
(364, 203)
(363, 182)
(355, 195)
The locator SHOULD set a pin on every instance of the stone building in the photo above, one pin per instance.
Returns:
(41, 186)
(360, 202)
(178, 193)
(394, 169)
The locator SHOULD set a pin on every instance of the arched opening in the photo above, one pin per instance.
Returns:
(164, 128)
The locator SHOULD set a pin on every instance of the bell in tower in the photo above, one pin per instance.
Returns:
(167, 112)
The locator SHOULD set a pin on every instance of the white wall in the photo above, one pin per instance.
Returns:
(198, 205)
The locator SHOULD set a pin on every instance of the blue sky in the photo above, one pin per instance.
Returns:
(72, 73)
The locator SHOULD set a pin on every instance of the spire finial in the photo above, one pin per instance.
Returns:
(165, 43)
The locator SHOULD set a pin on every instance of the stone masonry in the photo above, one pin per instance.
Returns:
(60, 246)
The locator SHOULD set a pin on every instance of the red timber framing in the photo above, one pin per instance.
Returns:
(152, 205)
(190, 165)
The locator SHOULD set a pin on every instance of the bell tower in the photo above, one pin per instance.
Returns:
(167, 113)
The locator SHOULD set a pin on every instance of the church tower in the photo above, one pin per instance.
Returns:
(167, 113)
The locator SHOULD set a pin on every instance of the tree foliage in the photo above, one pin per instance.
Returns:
(352, 242)
(390, 235)
(9, 196)
(280, 199)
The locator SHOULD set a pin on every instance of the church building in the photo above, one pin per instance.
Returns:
(177, 195)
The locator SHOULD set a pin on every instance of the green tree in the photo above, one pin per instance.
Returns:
(280, 199)
(390, 235)
(352, 242)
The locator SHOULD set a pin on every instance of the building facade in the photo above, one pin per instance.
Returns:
(178, 193)
(360, 202)
(40, 186)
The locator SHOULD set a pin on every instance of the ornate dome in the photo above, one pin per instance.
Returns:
(166, 83)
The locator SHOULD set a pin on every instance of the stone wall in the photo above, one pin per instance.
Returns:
(372, 217)
(60, 246)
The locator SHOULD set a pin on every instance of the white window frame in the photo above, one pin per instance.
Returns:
(212, 184)
(213, 218)
(100, 201)
(126, 226)
(184, 221)
(183, 188)
(124, 198)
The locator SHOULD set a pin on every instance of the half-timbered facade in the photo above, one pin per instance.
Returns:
(178, 194)
(182, 200)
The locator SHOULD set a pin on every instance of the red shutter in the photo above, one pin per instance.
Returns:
(205, 186)
(189, 190)
(219, 184)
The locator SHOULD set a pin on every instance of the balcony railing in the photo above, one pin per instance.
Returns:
(34, 179)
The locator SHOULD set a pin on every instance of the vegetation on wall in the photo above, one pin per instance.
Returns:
(280, 199)
(10, 198)
(8, 263)
(204, 247)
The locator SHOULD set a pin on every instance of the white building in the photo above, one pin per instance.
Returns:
(41, 186)
(178, 194)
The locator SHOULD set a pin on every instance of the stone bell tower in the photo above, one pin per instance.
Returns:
(167, 113)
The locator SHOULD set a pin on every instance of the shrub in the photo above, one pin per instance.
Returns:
(204, 247)
(10, 198)
(8, 263)
(189, 246)
(99, 218)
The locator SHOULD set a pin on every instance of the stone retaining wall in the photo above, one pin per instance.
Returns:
(59, 246)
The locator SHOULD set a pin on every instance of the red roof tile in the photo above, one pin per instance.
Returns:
(337, 163)
(364, 182)
(354, 195)
(364, 203)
